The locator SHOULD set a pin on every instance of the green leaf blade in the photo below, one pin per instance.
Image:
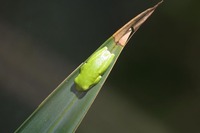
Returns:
(65, 107)
(63, 110)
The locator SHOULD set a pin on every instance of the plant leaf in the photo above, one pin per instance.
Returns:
(63, 110)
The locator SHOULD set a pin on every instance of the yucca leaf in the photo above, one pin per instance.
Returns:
(63, 110)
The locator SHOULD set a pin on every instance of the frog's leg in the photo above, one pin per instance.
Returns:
(97, 79)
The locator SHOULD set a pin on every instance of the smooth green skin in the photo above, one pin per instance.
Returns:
(91, 71)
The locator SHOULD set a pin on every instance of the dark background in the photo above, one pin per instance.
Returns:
(153, 88)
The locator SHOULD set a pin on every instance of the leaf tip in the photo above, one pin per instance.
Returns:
(123, 35)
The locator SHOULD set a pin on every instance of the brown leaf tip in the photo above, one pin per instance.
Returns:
(123, 35)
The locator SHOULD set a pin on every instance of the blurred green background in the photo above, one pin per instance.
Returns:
(153, 88)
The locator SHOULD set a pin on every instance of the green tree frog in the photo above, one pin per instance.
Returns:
(93, 68)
